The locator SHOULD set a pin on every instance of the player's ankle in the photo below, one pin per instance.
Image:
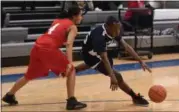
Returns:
(10, 93)
(132, 94)
(71, 100)
(71, 97)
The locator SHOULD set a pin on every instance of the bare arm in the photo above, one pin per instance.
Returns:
(69, 45)
(130, 50)
(106, 62)
(114, 81)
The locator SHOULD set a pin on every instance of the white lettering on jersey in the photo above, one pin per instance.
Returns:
(53, 28)
(86, 39)
(94, 54)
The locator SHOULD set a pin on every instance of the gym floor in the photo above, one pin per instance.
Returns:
(49, 94)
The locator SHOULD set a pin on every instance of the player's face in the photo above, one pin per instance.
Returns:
(78, 18)
(115, 30)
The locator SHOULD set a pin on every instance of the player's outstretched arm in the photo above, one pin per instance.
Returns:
(131, 51)
(69, 44)
(70, 72)
(105, 60)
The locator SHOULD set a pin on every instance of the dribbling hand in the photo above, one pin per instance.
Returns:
(114, 84)
(145, 67)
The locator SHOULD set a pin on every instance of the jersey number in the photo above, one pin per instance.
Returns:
(53, 28)
(86, 39)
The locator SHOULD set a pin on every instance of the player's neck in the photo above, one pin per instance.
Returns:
(72, 20)
(107, 29)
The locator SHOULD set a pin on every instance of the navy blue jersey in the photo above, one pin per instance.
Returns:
(97, 41)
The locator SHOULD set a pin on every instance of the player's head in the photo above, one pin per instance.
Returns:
(112, 26)
(74, 13)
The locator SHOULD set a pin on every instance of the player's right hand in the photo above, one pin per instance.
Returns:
(114, 83)
(69, 69)
(145, 67)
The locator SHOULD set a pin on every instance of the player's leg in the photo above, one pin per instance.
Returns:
(81, 67)
(137, 98)
(89, 62)
(10, 96)
(70, 83)
(58, 63)
(19, 84)
(33, 72)
(72, 102)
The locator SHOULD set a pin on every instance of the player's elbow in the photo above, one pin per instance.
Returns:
(69, 44)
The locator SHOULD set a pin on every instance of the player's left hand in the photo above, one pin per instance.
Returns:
(68, 70)
(114, 83)
(145, 67)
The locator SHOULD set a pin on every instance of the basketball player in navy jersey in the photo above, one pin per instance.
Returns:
(95, 56)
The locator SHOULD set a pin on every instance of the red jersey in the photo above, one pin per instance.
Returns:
(56, 36)
(133, 4)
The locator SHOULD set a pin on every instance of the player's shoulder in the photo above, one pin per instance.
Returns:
(98, 28)
(97, 31)
(56, 21)
(62, 21)
(73, 28)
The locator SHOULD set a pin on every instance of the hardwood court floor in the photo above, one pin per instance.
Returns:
(50, 94)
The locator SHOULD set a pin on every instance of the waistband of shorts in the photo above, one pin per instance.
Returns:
(45, 46)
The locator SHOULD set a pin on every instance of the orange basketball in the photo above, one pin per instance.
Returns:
(157, 93)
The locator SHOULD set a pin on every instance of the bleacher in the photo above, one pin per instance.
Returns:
(25, 26)
(36, 22)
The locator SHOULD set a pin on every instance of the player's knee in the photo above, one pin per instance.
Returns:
(119, 77)
(26, 79)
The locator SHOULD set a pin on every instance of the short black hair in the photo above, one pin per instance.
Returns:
(72, 11)
(111, 20)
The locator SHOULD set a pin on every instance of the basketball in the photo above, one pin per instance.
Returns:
(157, 93)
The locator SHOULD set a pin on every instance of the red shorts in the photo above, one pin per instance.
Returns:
(42, 60)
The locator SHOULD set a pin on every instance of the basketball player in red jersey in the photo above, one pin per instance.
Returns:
(45, 56)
